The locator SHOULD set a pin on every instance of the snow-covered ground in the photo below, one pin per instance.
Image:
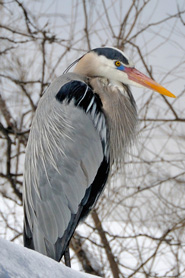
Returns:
(19, 262)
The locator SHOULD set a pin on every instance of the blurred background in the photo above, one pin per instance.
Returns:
(138, 226)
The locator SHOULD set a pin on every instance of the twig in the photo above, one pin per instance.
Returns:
(113, 264)
(86, 25)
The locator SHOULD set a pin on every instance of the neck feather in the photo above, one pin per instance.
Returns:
(121, 113)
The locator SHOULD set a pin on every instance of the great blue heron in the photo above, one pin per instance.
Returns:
(82, 125)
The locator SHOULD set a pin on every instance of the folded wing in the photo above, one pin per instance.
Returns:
(66, 164)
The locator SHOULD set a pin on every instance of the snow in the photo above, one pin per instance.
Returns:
(20, 262)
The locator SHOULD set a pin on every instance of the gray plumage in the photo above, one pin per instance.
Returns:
(59, 166)
(83, 124)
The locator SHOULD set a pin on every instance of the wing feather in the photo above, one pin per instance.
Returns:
(64, 153)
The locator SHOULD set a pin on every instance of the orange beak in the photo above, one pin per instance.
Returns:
(147, 82)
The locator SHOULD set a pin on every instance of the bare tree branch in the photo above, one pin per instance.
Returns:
(113, 264)
(86, 25)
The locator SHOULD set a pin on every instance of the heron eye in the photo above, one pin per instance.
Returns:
(117, 64)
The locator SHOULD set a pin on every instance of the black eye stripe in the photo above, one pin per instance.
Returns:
(112, 54)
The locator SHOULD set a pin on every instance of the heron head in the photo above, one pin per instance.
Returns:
(113, 64)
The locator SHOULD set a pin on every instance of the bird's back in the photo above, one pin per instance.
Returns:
(66, 164)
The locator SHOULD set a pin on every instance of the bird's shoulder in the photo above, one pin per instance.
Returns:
(80, 92)
(73, 91)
